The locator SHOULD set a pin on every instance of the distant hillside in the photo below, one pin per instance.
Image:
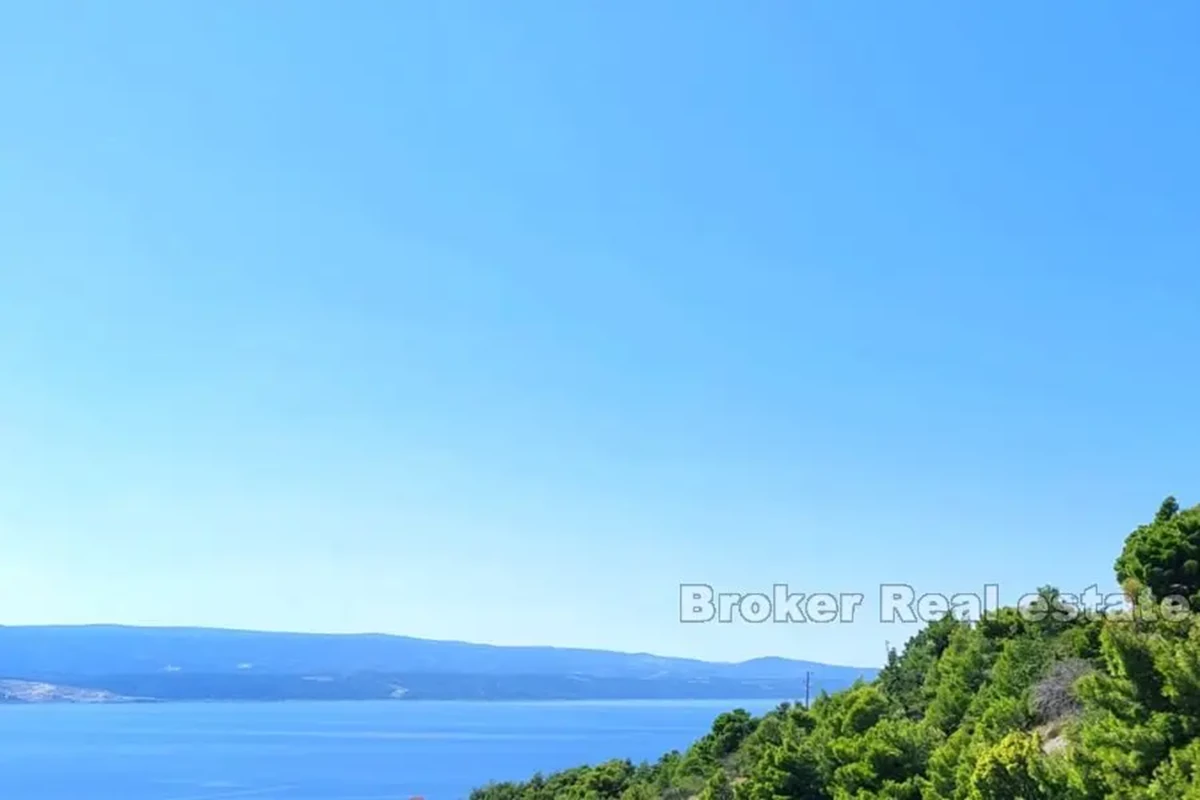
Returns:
(204, 663)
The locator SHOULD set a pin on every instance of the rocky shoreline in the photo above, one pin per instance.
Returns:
(18, 691)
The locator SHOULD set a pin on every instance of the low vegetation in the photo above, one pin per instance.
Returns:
(1061, 704)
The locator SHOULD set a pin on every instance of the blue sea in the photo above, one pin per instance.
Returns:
(325, 751)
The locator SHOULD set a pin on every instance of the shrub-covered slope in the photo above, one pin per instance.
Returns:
(1050, 702)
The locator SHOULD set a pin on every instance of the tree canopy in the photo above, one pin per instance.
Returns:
(1163, 556)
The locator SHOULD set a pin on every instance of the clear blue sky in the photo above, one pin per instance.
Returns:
(497, 321)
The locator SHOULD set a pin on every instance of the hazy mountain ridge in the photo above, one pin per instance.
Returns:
(213, 664)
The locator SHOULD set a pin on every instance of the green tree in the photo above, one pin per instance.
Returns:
(886, 760)
(1178, 778)
(957, 676)
(718, 787)
(1015, 769)
(1163, 556)
(902, 679)
(788, 771)
(729, 730)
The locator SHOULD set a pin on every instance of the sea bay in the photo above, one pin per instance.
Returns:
(325, 750)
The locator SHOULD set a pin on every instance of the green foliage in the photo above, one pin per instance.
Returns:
(718, 787)
(957, 676)
(1179, 777)
(903, 677)
(1164, 556)
(1016, 769)
(729, 730)
(788, 770)
(1017, 706)
(887, 760)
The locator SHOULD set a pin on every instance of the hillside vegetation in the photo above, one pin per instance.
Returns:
(1053, 701)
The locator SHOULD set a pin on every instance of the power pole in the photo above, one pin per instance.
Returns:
(807, 681)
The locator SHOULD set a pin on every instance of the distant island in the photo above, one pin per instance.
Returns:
(114, 663)
(16, 691)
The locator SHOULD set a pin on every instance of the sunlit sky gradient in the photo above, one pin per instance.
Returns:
(497, 321)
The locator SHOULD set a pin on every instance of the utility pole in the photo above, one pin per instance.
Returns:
(807, 681)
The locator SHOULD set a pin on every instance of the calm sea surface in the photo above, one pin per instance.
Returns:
(324, 751)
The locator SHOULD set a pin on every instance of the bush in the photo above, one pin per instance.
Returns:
(1054, 697)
